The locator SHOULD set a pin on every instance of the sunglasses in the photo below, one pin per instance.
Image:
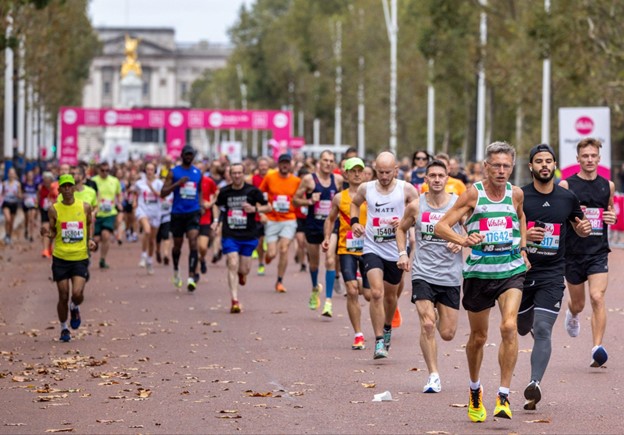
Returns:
(420, 158)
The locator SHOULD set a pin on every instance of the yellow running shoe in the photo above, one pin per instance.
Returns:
(502, 409)
(315, 299)
(327, 309)
(476, 410)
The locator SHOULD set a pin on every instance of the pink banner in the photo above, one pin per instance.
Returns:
(176, 122)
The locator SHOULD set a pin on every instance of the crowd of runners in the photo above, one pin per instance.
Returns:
(373, 226)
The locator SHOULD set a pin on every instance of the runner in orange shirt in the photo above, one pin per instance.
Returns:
(280, 187)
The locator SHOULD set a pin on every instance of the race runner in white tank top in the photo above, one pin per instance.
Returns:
(381, 211)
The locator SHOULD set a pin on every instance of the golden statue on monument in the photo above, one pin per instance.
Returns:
(131, 63)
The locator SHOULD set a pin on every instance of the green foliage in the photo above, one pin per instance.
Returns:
(286, 50)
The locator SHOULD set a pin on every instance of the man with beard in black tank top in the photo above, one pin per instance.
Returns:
(587, 259)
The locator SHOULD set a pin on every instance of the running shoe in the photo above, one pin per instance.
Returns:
(65, 336)
(254, 254)
(177, 281)
(143, 262)
(103, 264)
(358, 343)
(397, 319)
(302, 268)
(433, 384)
(572, 324)
(327, 309)
(387, 338)
(217, 256)
(166, 261)
(476, 410)
(236, 308)
(532, 394)
(150, 268)
(315, 299)
(380, 350)
(242, 279)
(202, 266)
(279, 287)
(599, 356)
(74, 321)
(267, 259)
(338, 288)
(502, 409)
(191, 285)
(45, 253)
(261, 270)
(158, 257)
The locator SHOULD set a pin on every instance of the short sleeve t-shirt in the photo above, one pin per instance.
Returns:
(209, 188)
(280, 192)
(237, 223)
(108, 189)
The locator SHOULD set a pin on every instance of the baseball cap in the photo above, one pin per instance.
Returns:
(284, 158)
(188, 149)
(353, 162)
(541, 148)
(66, 179)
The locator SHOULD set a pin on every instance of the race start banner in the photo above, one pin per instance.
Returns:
(576, 123)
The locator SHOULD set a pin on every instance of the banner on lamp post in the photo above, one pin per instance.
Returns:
(577, 123)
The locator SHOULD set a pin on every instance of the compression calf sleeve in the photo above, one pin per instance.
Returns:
(542, 347)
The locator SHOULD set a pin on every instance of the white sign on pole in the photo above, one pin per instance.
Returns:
(577, 123)
(233, 150)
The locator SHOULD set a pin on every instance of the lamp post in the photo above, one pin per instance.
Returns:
(392, 28)
(481, 86)
(546, 90)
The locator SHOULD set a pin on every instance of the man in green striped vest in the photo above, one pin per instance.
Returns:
(494, 270)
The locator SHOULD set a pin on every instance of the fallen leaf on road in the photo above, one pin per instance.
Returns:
(359, 371)
(116, 397)
(229, 416)
(298, 406)
(541, 420)
(437, 432)
(296, 393)
(109, 421)
(251, 393)
(66, 429)
(259, 360)
(458, 405)
(15, 424)
(136, 426)
(414, 369)
(143, 393)
(356, 401)
(228, 411)
(369, 385)
(20, 379)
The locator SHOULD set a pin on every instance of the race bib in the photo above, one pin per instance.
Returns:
(497, 234)
(150, 198)
(594, 216)
(383, 231)
(165, 206)
(72, 232)
(281, 204)
(46, 203)
(322, 209)
(29, 201)
(106, 205)
(304, 210)
(427, 223)
(354, 244)
(550, 244)
(189, 190)
(237, 219)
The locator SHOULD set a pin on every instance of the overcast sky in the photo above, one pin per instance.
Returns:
(193, 20)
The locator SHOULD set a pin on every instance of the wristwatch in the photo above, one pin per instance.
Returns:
(524, 249)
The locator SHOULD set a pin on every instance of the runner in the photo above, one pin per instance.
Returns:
(206, 232)
(547, 208)
(316, 191)
(82, 191)
(29, 205)
(185, 182)
(72, 230)
(12, 191)
(280, 187)
(109, 197)
(239, 202)
(147, 210)
(436, 268)
(588, 259)
(349, 247)
(46, 196)
(163, 241)
(386, 199)
(494, 270)
(256, 181)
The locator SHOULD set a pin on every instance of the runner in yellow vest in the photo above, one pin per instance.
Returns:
(72, 231)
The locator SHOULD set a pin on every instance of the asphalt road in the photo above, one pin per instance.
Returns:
(153, 359)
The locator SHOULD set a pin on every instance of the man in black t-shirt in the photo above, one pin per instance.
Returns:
(238, 204)
(588, 259)
(548, 209)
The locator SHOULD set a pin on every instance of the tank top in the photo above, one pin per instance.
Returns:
(433, 261)
(347, 242)
(498, 256)
(381, 211)
(594, 198)
(70, 242)
(317, 213)
(186, 196)
(30, 195)
(11, 191)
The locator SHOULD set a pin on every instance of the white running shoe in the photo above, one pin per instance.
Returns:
(142, 263)
(433, 384)
(150, 268)
(572, 324)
